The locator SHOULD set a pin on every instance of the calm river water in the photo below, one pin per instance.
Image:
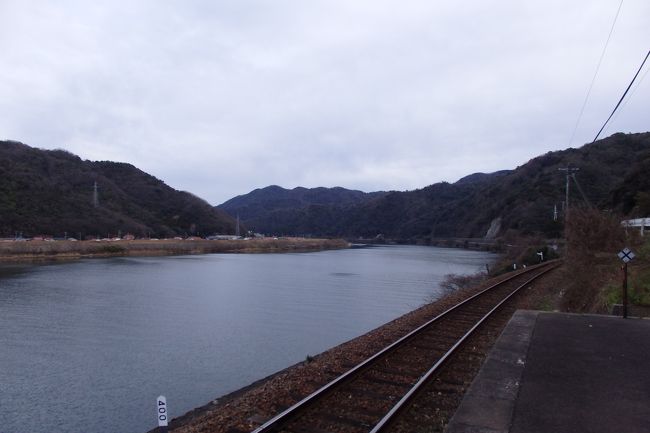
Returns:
(87, 346)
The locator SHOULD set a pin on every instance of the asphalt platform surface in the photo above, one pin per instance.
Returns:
(562, 373)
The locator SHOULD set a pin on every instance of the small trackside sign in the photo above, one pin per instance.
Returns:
(161, 411)
(626, 255)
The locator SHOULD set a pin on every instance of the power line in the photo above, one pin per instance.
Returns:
(593, 80)
(622, 97)
(632, 93)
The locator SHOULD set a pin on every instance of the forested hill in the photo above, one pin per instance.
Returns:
(613, 175)
(260, 202)
(52, 192)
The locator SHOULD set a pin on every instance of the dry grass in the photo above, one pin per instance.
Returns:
(67, 249)
(593, 240)
(454, 282)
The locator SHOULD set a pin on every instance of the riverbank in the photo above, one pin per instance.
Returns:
(36, 250)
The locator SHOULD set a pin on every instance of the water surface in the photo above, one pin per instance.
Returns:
(87, 346)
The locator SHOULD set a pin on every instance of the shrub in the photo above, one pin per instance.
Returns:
(113, 249)
(454, 282)
(591, 266)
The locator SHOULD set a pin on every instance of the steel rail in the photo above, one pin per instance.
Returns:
(401, 404)
(272, 423)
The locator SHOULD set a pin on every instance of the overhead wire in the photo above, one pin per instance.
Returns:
(622, 97)
(593, 80)
(632, 93)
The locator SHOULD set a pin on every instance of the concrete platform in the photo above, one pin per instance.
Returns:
(562, 373)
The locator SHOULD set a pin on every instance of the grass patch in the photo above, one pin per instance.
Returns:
(545, 304)
(113, 249)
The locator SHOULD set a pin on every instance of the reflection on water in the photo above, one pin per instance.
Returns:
(87, 346)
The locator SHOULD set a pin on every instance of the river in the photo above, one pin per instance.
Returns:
(87, 346)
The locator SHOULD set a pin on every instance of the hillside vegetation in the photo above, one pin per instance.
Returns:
(301, 210)
(612, 176)
(51, 192)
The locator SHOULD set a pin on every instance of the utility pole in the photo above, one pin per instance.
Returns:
(569, 172)
(237, 227)
(95, 196)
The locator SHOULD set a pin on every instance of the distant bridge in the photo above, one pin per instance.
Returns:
(637, 222)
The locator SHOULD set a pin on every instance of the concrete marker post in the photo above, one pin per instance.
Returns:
(161, 413)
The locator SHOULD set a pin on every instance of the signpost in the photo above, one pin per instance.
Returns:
(626, 255)
(161, 413)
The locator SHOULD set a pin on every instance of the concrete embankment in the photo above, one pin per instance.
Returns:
(34, 250)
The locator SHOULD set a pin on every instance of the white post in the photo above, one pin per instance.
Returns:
(161, 413)
(643, 223)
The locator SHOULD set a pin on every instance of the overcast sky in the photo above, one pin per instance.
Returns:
(222, 97)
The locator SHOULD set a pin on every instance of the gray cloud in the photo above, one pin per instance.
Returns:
(222, 97)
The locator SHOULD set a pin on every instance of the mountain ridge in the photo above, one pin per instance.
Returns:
(51, 192)
(523, 199)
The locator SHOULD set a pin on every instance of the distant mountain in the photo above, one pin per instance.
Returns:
(273, 198)
(476, 178)
(51, 192)
(613, 175)
(289, 211)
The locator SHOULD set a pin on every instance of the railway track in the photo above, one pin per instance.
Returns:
(371, 396)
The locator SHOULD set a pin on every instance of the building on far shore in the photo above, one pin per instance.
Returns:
(642, 223)
(223, 238)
